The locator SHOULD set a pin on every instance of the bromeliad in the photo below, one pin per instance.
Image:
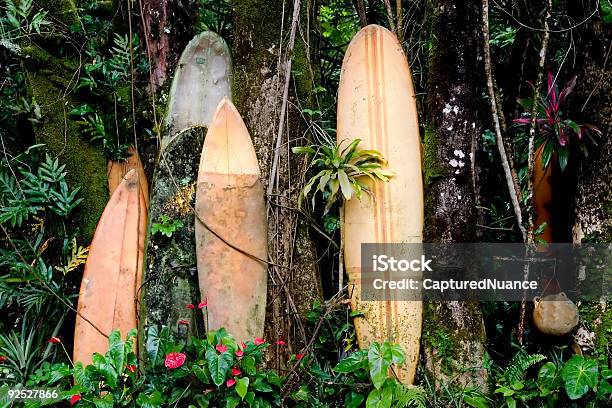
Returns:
(555, 131)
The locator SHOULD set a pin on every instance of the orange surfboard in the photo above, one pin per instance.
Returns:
(230, 200)
(542, 194)
(377, 103)
(112, 276)
(117, 169)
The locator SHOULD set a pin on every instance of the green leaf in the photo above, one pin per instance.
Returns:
(218, 364)
(606, 11)
(380, 398)
(248, 365)
(563, 154)
(116, 351)
(303, 150)
(354, 362)
(232, 402)
(345, 185)
(379, 361)
(104, 402)
(579, 375)
(353, 399)
(201, 374)
(242, 385)
(549, 377)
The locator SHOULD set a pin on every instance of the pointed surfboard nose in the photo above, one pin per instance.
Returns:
(228, 148)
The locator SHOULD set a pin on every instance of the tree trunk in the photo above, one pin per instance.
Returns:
(167, 27)
(51, 82)
(593, 200)
(451, 137)
(259, 83)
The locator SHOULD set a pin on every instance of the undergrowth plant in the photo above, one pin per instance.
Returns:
(554, 130)
(340, 177)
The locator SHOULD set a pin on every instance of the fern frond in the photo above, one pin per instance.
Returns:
(78, 256)
(410, 396)
(519, 364)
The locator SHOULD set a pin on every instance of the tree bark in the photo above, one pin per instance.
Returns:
(261, 30)
(166, 27)
(51, 82)
(451, 137)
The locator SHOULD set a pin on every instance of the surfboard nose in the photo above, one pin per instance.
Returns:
(228, 148)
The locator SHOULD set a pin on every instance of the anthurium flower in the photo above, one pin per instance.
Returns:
(259, 341)
(184, 322)
(3, 358)
(174, 360)
(203, 303)
(280, 342)
(131, 368)
(221, 348)
(236, 371)
(230, 382)
(299, 356)
(190, 306)
(239, 353)
(74, 399)
(55, 340)
(243, 345)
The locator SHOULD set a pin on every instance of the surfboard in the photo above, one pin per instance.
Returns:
(109, 288)
(377, 103)
(117, 169)
(231, 228)
(171, 281)
(542, 194)
(203, 77)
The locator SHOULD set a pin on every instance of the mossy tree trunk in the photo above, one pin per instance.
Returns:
(52, 68)
(593, 201)
(259, 79)
(452, 133)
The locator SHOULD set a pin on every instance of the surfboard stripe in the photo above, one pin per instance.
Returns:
(376, 97)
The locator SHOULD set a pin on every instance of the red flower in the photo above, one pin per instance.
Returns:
(239, 353)
(243, 345)
(259, 341)
(3, 358)
(221, 348)
(131, 368)
(55, 340)
(174, 360)
(299, 356)
(190, 306)
(236, 371)
(280, 342)
(185, 322)
(230, 382)
(74, 399)
(203, 303)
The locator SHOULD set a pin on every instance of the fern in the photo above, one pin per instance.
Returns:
(520, 363)
(410, 396)
(93, 126)
(120, 60)
(78, 256)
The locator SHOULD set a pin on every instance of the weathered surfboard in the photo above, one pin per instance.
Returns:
(376, 103)
(117, 169)
(110, 287)
(542, 194)
(230, 203)
(170, 282)
(202, 79)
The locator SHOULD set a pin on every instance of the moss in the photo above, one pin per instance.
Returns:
(431, 166)
(598, 318)
(452, 348)
(85, 164)
(170, 278)
(62, 10)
